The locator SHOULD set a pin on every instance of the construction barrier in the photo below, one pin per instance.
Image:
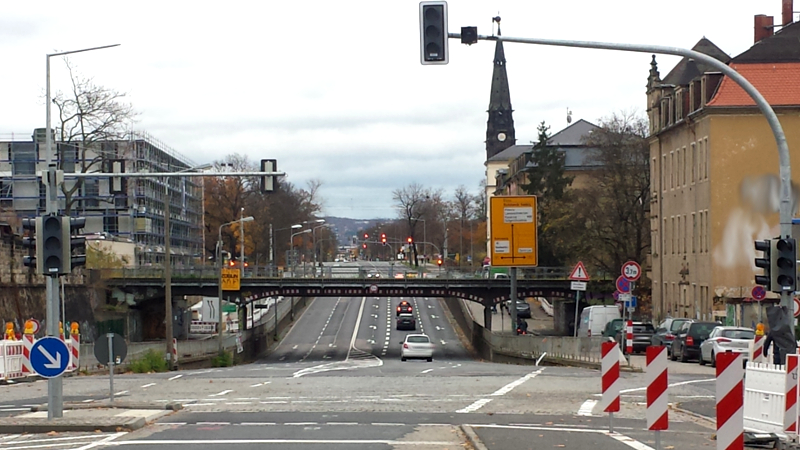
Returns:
(629, 337)
(657, 398)
(790, 411)
(27, 345)
(174, 350)
(10, 359)
(75, 351)
(764, 397)
(730, 401)
(757, 355)
(610, 377)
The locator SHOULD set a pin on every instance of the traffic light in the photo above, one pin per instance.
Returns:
(383, 238)
(75, 252)
(433, 32)
(364, 246)
(410, 240)
(469, 35)
(52, 242)
(29, 241)
(764, 262)
(784, 264)
(439, 262)
(366, 236)
(268, 181)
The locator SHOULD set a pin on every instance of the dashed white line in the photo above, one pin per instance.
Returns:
(148, 385)
(174, 378)
(478, 404)
(121, 393)
(587, 407)
(427, 371)
(227, 391)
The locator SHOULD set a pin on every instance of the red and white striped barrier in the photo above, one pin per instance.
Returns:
(27, 345)
(174, 350)
(657, 398)
(629, 337)
(10, 359)
(610, 377)
(75, 352)
(758, 349)
(730, 401)
(790, 411)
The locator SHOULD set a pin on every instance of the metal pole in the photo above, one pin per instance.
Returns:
(577, 306)
(110, 337)
(168, 275)
(219, 290)
(785, 169)
(275, 311)
(512, 307)
(241, 235)
(314, 245)
(271, 250)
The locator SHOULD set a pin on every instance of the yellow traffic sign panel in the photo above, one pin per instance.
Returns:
(513, 231)
(231, 279)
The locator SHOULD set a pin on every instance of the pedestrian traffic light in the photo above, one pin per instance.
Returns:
(764, 262)
(268, 181)
(29, 241)
(75, 252)
(52, 243)
(784, 262)
(383, 238)
(433, 32)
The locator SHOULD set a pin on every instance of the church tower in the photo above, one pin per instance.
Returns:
(500, 126)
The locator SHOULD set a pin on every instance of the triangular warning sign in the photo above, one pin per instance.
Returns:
(579, 273)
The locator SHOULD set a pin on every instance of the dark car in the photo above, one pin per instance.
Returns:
(613, 327)
(404, 307)
(642, 332)
(665, 333)
(405, 321)
(523, 309)
(686, 344)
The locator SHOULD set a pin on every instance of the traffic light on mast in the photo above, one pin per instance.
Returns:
(30, 225)
(383, 238)
(764, 262)
(439, 262)
(410, 240)
(433, 32)
(784, 264)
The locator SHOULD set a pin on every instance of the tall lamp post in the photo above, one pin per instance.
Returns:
(55, 398)
(314, 242)
(271, 240)
(168, 332)
(291, 248)
(424, 238)
(219, 267)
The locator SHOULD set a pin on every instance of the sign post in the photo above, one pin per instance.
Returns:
(579, 277)
(631, 271)
(49, 357)
(111, 351)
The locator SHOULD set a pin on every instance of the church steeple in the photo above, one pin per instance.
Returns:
(500, 126)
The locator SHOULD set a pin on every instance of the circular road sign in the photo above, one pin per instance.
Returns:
(623, 285)
(631, 270)
(758, 293)
(796, 307)
(373, 288)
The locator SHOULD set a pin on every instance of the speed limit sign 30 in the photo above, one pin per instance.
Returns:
(631, 270)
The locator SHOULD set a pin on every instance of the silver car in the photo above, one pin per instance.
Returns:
(417, 346)
(726, 339)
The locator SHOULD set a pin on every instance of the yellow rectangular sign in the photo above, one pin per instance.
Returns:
(513, 240)
(231, 279)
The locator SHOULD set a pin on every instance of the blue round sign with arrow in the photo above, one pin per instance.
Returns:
(49, 357)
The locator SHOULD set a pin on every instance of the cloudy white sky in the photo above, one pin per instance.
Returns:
(334, 89)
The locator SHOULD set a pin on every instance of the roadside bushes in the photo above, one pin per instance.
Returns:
(151, 361)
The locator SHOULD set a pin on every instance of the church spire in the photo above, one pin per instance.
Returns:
(500, 126)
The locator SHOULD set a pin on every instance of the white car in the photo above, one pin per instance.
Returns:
(726, 339)
(417, 346)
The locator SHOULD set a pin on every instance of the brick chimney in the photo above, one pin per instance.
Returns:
(763, 26)
(787, 11)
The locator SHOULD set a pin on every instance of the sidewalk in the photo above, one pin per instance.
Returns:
(98, 416)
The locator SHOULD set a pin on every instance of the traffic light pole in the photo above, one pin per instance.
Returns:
(785, 172)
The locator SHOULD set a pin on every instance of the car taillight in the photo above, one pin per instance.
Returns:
(589, 333)
(669, 336)
(409, 309)
(398, 309)
(405, 345)
(689, 340)
(723, 340)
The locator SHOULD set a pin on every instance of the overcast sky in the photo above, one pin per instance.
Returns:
(334, 90)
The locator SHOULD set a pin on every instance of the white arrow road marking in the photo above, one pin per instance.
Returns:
(55, 363)
(445, 343)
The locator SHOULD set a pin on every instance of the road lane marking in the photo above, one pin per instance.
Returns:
(587, 407)
(227, 391)
(121, 393)
(260, 384)
(427, 370)
(213, 423)
(630, 442)
(681, 383)
(510, 386)
(174, 378)
(363, 442)
(89, 400)
(148, 385)
(199, 404)
(478, 404)
(256, 424)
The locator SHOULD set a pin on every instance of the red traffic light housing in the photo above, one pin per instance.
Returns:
(364, 246)
(410, 240)
(383, 238)
(366, 236)
(439, 262)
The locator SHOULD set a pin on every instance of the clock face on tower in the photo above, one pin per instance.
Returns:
(501, 137)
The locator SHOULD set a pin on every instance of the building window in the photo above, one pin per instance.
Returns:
(694, 232)
(664, 173)
(706, 162)
(111, 222)
(23, 158)
(673, 236)
(707, 231)
(694, 161)
(68, 155)
(91, 193)
(672, 169)
(664, 237)
(6, 194)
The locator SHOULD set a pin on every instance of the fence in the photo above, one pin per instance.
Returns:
(764, 397)
(10, 360)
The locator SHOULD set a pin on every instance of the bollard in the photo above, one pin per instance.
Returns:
(657, 398)
(730, 401)
(76, 346)
(610, 380)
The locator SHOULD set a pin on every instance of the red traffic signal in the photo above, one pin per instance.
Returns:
(439, 261)
(410, 240)
(364, 246)
(366, 236)
(383, 238)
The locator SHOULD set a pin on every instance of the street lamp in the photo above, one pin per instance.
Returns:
(55, 398)
(314, 241)
(271, 241)
(168, 332)
(424, 238)
(291, 248)
(219, 267)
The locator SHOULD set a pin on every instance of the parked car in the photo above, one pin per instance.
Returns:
(406, 321)
(642, 333)
(594, 319)
(686, 344)
(665, 332)
(613, 327)
(726, 339)
(417, 346)
(404, 307)
(523, 309)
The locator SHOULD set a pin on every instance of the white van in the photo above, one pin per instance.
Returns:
(595, 318)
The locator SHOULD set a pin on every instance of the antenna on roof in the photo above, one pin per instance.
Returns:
(569, 115)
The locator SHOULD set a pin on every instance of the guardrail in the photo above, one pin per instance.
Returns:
(546, 306)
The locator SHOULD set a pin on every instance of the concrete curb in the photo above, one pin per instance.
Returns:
(170, 406)
(108, 424)
(472, 437)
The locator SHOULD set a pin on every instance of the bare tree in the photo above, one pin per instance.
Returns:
(413, 203)
(88, 116)
(465, 208)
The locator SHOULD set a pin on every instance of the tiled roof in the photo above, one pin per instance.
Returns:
(687, 68)
(779, 83)
(783, 46)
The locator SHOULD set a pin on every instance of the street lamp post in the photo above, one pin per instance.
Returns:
(291, 248)
(55, 398)
(271, 240)
(219, 267)
(314, 242)
(424, 238)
